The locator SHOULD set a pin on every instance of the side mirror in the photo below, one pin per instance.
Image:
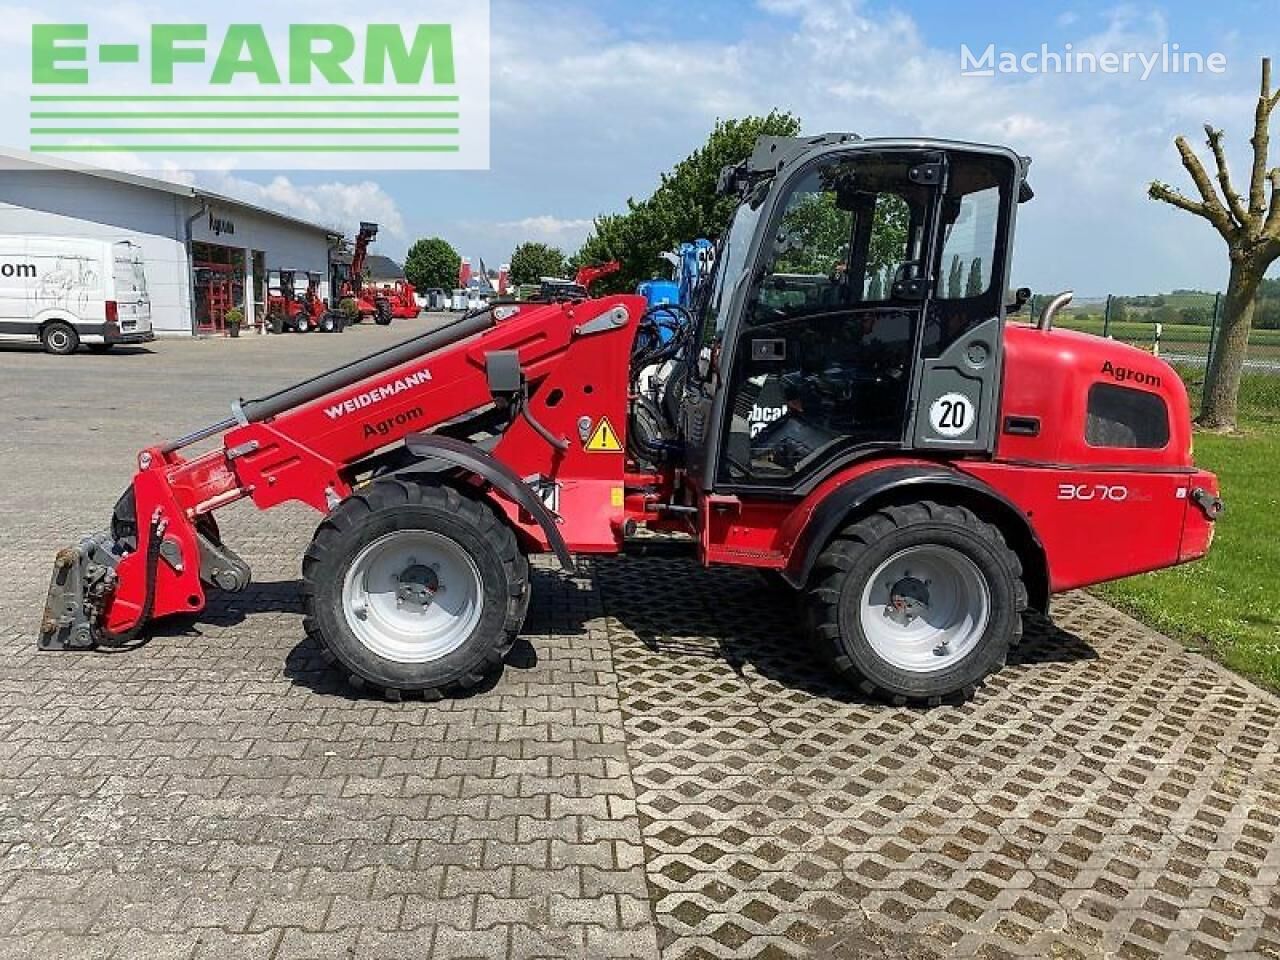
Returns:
(1021, 297)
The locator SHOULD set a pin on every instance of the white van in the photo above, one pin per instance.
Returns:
(65, 291)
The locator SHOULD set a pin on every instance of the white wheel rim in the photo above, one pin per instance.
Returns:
(925, 608)
(58, 339)
(412, 596)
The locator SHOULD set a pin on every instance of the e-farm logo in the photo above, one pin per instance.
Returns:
(408, 94)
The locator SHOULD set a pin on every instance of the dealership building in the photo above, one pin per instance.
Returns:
(204, 253)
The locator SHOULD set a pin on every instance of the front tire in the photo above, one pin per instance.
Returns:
(60, 338)
(917, 603)
(415, 589)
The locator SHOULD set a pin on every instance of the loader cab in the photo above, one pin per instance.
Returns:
(856, 307)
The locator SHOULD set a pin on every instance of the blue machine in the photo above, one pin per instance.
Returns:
(692, 263)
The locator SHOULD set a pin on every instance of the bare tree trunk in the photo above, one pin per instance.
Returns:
(1250, 224)
(1222, 381)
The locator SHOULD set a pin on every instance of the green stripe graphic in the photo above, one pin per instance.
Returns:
(243, 131)
(244, 148)
(118, 53)
(241, 98)
(234, 115)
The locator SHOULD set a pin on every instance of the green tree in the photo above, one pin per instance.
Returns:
(685, 205)
(1268, 316)
(975, 286)
(815, 235)
(955, 279)
(531, 261)
(432, 262)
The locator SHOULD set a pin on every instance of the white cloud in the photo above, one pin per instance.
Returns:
(334, 204)
(1096, 140)
(548, 229)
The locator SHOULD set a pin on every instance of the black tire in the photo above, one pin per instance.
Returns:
(382, 312)
(275, 323)
(100, 347)
(329, 323)
(389, 506)
(302, 322)
(842, 571)
(59, 338)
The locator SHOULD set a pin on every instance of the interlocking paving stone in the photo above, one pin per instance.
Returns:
(662, 764)
(220, 792)
(1106, 794)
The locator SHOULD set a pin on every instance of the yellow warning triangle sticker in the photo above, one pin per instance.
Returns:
(604, 439)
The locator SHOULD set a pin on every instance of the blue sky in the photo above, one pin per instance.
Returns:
(591, 101)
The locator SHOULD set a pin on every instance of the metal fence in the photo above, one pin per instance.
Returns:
(1180, 328)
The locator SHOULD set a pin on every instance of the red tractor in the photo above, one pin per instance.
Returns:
(383, 302)
(287, 310)
(399, 300)
(831, 411)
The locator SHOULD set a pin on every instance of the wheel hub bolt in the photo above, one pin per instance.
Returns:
(417, 587)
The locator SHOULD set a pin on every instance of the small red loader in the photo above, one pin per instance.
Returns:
(287, 309)
(831, 411)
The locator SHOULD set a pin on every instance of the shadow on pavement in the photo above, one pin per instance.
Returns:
(674, 609)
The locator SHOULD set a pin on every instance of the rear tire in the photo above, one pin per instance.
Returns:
(382, 312)
(329, 323)
(415, 589)
(302, 323)
(917, 603)
(59, 338)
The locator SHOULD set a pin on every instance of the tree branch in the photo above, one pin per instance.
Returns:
(1234, 203)
(1261, 141)
(1271, 229)
(1214, 211)
(1167, 194)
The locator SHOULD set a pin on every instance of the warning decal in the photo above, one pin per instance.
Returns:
(604, 439)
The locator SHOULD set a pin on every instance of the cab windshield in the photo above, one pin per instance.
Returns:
(712, 309)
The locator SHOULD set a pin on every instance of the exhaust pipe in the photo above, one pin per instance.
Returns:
(1053, 308)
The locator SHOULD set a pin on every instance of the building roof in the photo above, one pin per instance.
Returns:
(11, 159)
(383, 268)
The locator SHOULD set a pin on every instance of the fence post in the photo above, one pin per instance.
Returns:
(1106, 318)
(1213, 331)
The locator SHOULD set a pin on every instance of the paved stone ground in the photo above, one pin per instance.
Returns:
(660, 768)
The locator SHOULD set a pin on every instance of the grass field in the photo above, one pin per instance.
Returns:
(1175, 337)
(1227, 605)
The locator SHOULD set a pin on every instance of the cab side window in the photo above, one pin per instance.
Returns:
(969, 259)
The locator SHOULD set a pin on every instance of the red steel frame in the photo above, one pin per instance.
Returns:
(1098, 513)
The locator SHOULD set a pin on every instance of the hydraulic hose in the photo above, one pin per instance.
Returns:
(110, 640)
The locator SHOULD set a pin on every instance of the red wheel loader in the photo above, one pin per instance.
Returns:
(831, 411)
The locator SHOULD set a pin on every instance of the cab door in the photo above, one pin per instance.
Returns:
(822, 363)
(851, 337)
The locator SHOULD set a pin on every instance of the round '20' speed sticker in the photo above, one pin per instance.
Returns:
(952, 415)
